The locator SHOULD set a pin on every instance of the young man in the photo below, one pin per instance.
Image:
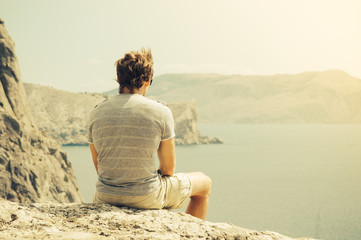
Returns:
(125, 133)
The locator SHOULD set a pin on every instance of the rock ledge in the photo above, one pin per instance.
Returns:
(102, 221)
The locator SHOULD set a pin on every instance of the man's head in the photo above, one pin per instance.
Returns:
(135, 68)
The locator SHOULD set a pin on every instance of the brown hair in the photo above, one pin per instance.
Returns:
(134, 68)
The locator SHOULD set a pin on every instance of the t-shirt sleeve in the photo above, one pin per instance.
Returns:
(168, 123)
(90, 128)
(90, 137)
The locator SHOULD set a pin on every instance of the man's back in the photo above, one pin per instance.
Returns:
(126, 131)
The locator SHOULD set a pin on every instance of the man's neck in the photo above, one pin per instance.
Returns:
(140, 91)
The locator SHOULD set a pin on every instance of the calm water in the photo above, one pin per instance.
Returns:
(298, 180)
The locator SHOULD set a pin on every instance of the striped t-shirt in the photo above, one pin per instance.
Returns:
(126, 131)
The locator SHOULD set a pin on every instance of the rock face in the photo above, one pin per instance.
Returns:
(32, 166)
(101, 221)
(64, 115)
(186, 124)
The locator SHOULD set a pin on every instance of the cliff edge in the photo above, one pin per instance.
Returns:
(102, 221)
(32, 166)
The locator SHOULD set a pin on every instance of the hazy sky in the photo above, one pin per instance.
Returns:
(73, 44)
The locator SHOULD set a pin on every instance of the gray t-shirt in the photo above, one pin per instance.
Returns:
(126, 131)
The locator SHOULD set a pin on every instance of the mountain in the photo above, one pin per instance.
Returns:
(32, 166)
(311, 97)
(64, 115)
(60, 114)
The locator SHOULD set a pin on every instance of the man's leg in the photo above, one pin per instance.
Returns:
(201, 189)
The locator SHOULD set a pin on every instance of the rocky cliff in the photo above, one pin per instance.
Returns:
(32, 166)
(101, 221)
(63, 115)
(186, 124)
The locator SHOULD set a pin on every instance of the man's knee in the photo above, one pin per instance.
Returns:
(202, 184)
(208, 183)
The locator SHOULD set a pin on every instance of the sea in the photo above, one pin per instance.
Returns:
(297, 180)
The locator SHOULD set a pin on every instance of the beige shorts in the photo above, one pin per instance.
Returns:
(173, 193)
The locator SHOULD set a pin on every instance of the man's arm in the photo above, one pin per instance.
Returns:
(94, 155)
(166, 156)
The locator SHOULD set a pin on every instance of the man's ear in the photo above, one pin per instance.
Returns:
(146, 83)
